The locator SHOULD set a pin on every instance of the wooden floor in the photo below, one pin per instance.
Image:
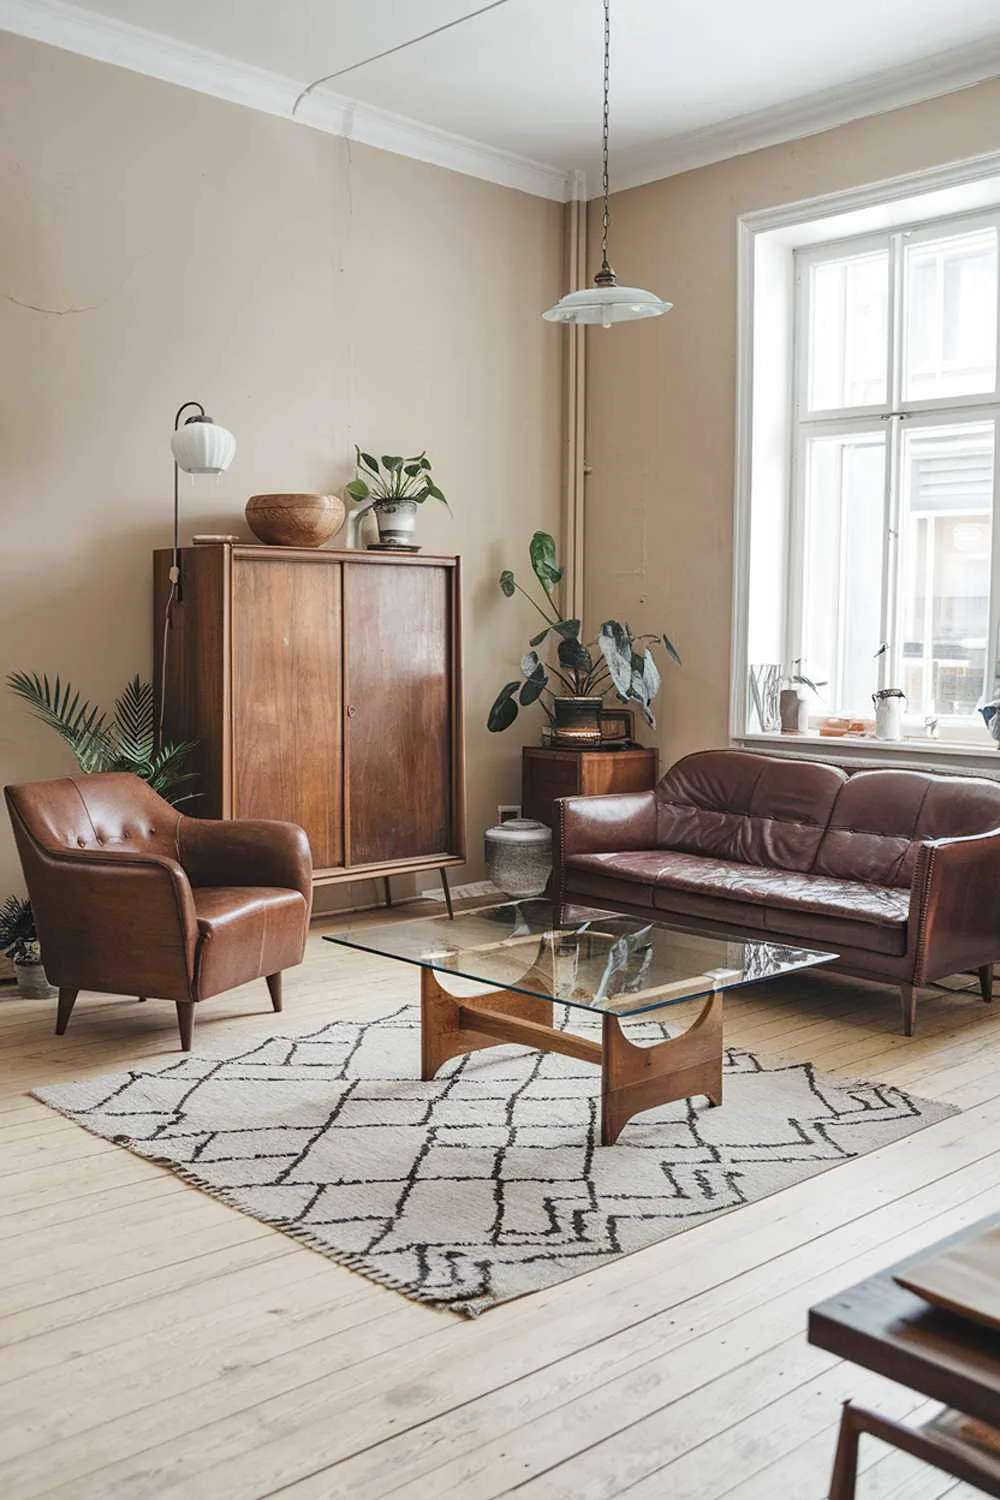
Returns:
(156, 1343)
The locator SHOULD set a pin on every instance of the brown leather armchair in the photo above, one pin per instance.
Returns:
(133, 898)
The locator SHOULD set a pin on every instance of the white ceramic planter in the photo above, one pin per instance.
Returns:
(397, 521)
(32, 982)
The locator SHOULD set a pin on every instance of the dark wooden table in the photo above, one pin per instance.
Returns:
(883, 1327)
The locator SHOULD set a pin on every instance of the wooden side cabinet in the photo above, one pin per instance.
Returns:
(547, 774)
(324, 688)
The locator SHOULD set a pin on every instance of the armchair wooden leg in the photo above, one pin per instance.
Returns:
(67, 999)
(274, 985)
(185, 1023)
(986, 982)
(845, 1464)
(908, 999)
(141, 999)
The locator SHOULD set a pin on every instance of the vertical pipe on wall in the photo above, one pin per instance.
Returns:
(575, 400)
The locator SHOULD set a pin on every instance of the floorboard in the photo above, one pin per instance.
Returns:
(200, 1353)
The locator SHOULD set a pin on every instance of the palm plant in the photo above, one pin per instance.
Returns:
(125, 740)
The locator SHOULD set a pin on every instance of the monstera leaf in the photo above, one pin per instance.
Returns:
(542, 551)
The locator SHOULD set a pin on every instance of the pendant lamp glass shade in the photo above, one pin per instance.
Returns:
(606, 305)
(201, 446)
(606, 302)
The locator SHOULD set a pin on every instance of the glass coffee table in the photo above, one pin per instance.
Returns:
(613, 966)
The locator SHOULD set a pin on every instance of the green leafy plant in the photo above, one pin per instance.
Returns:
(18, 938)
(125, 740)
(618, 660)
(392, 478)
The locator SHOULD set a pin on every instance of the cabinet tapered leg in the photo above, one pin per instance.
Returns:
(447, 894)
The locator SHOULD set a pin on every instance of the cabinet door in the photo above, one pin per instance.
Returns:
(398, 628)
(287, 698)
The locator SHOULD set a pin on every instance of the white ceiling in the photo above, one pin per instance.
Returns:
(691, 79)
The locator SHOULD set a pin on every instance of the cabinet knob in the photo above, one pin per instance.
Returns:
(351, 710)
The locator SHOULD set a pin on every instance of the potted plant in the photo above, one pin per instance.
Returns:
(19, 943)
(618, 660)
(123, 741)
(395, 487)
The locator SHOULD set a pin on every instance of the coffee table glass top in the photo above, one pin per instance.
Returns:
(596, 960)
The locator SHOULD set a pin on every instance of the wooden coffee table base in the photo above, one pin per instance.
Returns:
(633, 1078)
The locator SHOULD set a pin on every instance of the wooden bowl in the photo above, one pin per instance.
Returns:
(295, 520)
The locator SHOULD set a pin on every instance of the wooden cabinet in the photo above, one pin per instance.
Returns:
(323, 688)
(547, 774)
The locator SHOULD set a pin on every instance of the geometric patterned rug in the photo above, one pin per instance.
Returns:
(486, 1183)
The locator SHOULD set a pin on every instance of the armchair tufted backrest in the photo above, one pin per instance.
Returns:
(108, 811)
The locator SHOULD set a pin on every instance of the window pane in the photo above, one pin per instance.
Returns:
(950, 296)
(946, 518)
(844, 545)
(848, 331)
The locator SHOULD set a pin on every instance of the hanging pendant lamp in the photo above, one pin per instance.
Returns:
(606, 302)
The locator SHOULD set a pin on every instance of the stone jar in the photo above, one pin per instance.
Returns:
(519, 856)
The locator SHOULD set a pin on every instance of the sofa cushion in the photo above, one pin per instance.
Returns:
(726, 880)
(757, 809)
(840, 935)
(881, 817)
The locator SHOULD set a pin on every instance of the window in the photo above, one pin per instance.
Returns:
(892, 526)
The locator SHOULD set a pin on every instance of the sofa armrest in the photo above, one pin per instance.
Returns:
(599, 825)
(955, 905)
(246, 852)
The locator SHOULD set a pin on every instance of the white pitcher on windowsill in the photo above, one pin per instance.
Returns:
(889, 713)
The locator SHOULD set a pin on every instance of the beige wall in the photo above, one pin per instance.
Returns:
(662, 394)
(157, 245)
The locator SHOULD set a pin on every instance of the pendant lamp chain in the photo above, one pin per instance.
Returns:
(605, 276)
(606, 303)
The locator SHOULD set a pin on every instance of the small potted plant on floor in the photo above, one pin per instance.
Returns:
(19, 942)
(394, 487)
(618, 661)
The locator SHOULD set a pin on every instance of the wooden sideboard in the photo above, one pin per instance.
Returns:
(324, 688)
(550, 773)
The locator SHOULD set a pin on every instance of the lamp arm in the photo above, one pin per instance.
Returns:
(175, 571)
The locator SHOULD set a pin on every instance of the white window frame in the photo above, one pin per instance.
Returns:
(887, 214)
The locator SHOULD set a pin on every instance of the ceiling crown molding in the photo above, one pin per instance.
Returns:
(894, 88)
(126, 46)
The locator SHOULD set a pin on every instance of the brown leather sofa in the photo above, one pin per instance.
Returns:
(897, 872)
(132, 898)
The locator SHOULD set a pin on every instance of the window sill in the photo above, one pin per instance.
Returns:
(866, 750)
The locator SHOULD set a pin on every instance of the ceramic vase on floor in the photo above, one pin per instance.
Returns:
(519, 856)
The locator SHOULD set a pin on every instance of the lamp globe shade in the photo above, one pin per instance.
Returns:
(201, 446)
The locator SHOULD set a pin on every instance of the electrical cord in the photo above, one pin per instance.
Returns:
(399, 47)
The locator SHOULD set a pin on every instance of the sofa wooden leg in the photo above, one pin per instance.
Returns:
(67, 999)
(274, 985)
(908, 998)
(185, 1023)
(986, 982)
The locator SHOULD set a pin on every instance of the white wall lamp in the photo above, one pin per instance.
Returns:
(606, 302)
(200, 446)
